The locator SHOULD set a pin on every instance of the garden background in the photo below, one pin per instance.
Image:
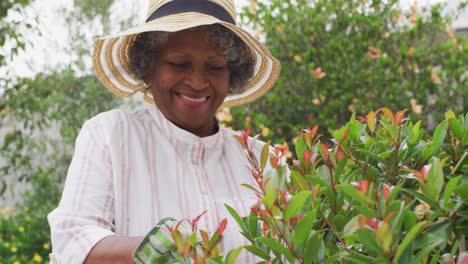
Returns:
(338, 57)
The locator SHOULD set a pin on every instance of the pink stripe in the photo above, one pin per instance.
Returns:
(233, 192)
(201, 178)
(184, 203)
(76, 196)
(164, 123)
(127, 174)
(106, 210)
(120, 227)
(236, 185)
(150, 155)
(154, 176)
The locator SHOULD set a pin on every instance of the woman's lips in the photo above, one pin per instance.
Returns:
(192, 101)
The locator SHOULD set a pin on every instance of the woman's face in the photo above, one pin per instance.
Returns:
(189, 81)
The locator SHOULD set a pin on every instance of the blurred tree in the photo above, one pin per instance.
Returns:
(42, 115)
(8, 29)
(342, 56)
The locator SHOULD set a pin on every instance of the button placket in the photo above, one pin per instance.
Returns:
(205, 193)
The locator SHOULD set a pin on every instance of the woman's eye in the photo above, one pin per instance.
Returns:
(180, 65)
(217, 67)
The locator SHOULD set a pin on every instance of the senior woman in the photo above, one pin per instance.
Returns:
(172, 159)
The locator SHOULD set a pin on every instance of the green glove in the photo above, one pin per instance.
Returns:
(157, 245)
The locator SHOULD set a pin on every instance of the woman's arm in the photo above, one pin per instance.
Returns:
(113, 249)
(83, 224)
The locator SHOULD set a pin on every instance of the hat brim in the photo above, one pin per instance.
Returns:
(111, 59)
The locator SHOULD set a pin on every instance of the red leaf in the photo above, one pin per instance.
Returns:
(222, 226)
(345, 135)
(195, 221)
(399, 116)
(386, 193)
(307, 157)
(245, 134)
(389, 216)
(364, 186)
(372, 223)
(325, 149)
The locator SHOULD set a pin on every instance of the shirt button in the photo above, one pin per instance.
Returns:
(204, 193)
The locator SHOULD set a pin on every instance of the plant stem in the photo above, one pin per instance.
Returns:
(397, 145)
(332, 183)
(462, 244)
(344, 244)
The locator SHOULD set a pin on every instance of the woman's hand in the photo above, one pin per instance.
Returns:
(113, 249)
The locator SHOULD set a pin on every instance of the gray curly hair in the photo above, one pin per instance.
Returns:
(240, 60)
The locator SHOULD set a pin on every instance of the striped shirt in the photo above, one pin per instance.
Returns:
(132, 169)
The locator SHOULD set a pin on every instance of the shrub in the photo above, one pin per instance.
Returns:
(382, 191)
(340, 57)
(25, 233)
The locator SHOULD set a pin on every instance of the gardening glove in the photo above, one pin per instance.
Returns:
(157, 245)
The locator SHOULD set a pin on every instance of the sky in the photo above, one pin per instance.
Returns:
(48, 51)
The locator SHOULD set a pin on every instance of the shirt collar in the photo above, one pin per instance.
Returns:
(175, 133)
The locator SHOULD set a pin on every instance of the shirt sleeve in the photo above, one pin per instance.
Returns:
(86, 211)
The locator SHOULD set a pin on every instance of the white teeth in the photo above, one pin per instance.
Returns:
(197, 100)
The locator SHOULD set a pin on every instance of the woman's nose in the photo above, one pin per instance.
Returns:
(197, 78)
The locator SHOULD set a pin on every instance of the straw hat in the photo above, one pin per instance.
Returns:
(111, 58)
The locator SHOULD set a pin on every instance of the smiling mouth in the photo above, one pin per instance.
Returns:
(195, 100)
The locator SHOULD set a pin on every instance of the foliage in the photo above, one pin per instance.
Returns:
(25, 234)
(36, 109)
(41, 116)
(8, 29)
(382, 192)
(179, 242)
(341, 56)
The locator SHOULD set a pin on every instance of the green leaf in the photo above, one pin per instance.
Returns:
(351, 226)
(396, 219)
(253, 224)
(367, 238)
(435, 179)
(276, 247)
(297, 178)
(192, 239)
(300, 148)
(257, 252)
(269, 197)
(384, 237)
(371, 155)
(250, 187)
(314, 248)
(264, 155)
(462, 190)
(216, 260)
(428, 248)
(359, 259)
(439, 135)
(420, 196)
(410, 219)
(408, 239)
(352, 192)
(295, 204)
(450, 188)
(303, 227)
(232, 255)
(456, 127)
(341, 166)
(416, 133)
(275, 179)
(236, 217)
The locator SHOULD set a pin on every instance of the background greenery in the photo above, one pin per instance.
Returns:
(338, 57)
